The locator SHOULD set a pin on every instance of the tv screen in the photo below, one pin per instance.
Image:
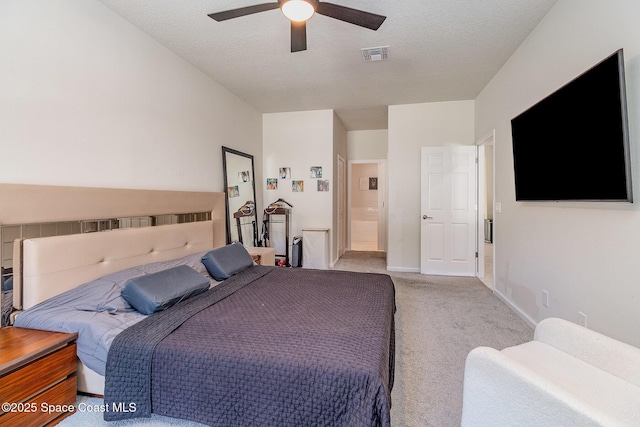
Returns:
(574, 145)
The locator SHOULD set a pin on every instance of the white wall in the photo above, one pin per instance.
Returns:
(300, 140)
(411, 127)
(584, 255)
(89, 100)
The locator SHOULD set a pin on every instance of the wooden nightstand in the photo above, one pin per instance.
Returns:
(37, 376)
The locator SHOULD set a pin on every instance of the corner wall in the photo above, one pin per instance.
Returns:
(584, 255)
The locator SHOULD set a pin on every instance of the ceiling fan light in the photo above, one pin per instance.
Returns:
(298, 10)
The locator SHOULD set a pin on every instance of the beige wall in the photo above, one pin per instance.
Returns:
(300, 140)
(89, 100)
(411, 127)
(584, 255)
(367, 144)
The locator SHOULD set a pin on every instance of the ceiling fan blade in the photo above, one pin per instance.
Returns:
(243, 11)
(352, 16)
(298, 36)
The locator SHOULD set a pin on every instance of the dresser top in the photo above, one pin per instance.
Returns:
(19, 346)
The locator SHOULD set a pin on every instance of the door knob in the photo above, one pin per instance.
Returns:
(426, 217)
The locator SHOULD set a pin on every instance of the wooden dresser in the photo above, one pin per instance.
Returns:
(37, 376)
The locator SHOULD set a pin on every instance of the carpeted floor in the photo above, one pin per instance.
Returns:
(439, 319)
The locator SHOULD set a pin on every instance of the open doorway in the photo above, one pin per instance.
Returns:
(485, 222)
(367, 206)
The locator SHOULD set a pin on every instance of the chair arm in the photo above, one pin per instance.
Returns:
(500, 392)
(610, 355)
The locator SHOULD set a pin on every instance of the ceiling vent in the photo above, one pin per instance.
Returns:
(373, 54)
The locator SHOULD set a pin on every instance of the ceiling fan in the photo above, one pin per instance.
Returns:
(299, 11)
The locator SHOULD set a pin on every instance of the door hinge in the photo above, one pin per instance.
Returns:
(476, 254)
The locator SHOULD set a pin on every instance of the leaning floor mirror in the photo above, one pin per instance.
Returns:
(239, 183)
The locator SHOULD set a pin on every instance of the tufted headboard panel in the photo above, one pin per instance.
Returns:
(52, 265)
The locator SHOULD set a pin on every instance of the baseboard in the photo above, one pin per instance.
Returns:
(403, 269)
(515, 309)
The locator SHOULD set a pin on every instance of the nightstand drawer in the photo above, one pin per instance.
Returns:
(32, 378)
(44, 407)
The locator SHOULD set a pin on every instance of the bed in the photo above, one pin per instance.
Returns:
(266, 346)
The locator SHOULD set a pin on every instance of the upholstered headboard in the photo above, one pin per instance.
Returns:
(52, 265)
(46, 266)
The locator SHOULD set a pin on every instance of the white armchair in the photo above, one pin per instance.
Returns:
(567, 376)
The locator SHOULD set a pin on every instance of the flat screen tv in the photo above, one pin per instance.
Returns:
(574, 144)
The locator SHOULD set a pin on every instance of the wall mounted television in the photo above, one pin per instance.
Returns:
(574, 144)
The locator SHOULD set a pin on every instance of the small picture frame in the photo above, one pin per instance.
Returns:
(233, 191)
(316, 171)
(272, 183)
(244, 176)
(297, 186)
(323, 185)
(285, 173)
(364, 184)
(373, 183)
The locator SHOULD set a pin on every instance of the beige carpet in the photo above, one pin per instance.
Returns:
(439, 320)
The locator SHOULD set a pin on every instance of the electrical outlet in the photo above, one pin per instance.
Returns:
(582, 319)
(545, 298)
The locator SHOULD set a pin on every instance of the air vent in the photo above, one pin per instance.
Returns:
(373, 54)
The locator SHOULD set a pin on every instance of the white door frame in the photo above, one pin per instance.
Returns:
(481, 182)
(342, 218)
(383, 222)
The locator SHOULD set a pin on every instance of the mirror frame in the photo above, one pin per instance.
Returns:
(229, 217)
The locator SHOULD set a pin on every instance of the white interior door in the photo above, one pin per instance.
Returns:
(448, 216)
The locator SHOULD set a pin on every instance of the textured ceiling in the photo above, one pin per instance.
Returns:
(439, 50)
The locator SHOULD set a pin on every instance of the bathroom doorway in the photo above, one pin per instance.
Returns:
(367, 206)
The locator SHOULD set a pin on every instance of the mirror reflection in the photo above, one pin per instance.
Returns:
(239, 182)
